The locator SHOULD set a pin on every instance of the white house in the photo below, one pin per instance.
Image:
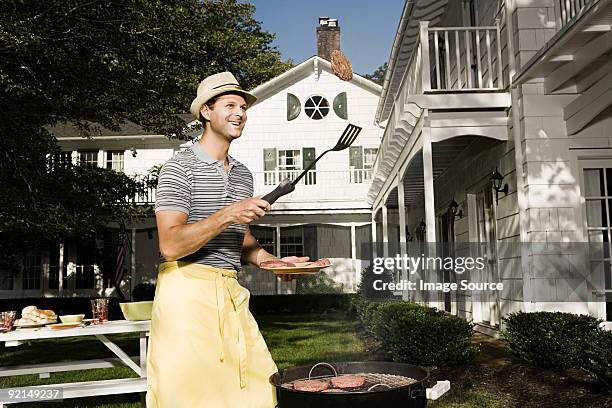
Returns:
(518, 86)
(298, 115)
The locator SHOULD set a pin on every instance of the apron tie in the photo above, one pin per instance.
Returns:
(220, 286)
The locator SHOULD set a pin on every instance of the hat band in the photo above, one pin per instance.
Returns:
(220, 86)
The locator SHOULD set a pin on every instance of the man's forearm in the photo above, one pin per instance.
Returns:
(188, 238)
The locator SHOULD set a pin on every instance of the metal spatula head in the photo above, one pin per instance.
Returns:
(347, 138)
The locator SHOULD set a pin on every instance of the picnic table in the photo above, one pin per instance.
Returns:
(86, 388)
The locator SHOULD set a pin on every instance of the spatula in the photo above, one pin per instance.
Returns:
(286, 186)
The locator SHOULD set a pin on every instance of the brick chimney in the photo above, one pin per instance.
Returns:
(328, 37)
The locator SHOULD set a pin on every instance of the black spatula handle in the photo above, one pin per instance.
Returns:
(285, 187)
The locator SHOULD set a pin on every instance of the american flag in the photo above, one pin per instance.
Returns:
(122, 250)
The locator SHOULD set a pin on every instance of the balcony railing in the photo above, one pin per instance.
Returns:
(567, 10)
(454, 59)
(355, 176)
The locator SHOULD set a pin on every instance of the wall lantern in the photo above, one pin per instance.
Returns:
(422, 226)
(134, 152)
(497, 180)
(453, 207)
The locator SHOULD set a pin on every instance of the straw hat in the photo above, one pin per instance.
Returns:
(215, 85)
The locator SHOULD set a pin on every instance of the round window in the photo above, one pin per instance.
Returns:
(316, 107)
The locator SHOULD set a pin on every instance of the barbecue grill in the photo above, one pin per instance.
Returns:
(386, 384)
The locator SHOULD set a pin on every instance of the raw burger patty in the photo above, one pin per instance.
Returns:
(310, 385)
(321, 262)
(275, 264)
(348, 381)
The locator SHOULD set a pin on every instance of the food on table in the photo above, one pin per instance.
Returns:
(34, 315)
(321, 262)
(310, 385)
(348, 381)
(276, 263)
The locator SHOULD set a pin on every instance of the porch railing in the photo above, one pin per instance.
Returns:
(567, 10)
(148, 194)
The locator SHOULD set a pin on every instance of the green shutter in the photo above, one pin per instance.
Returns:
(269, 159)
(309, 155)
(293, 107)
(340, 106)
(356, 157)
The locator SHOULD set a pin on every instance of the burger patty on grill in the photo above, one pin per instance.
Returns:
(310, 385)
(348, 381)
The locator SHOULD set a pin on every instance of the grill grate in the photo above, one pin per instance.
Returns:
(373, 382)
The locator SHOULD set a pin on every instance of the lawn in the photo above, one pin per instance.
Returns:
(494, 380)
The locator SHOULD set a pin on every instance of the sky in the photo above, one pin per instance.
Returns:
(367, 28)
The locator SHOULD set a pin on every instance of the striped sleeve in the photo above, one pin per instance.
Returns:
(174, 188)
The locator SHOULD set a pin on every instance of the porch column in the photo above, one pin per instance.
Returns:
(354, 257)
(61, 270)
(430, 212)
(278, 254)
(402, 226)
(374, 237)
(385, 226)
(133, 263)
(430, 207)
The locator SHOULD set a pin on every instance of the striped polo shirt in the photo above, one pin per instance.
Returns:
(198, 185)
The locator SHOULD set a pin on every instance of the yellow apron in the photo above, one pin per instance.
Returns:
(205, 348)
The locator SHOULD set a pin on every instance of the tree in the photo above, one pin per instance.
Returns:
(378, 75)
(99, 63)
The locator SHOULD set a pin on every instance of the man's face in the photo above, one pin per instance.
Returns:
(227, 116)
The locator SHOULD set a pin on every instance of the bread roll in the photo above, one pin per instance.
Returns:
(29, 309)
(22, 322)
(46, 314)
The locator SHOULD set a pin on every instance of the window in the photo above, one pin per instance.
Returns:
(85, 267)
(369, 156)
(598, 202)
(316, 107)
(282, 164)
(361, 161)
(292, 241)
(289, 160)
(114, 160)
(62, 159)
(88, 158)
(265, 237)
(32, 271)
(6, 280)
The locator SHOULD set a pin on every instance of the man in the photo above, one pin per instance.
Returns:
(205, 348)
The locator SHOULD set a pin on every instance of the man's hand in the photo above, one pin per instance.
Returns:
(247, 210)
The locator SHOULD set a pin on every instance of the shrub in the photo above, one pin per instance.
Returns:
(425, 336)
(417, 334)
(598, 359)
(143, 292)
(550, 339)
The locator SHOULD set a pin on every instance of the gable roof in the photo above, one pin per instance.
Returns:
(303, 70)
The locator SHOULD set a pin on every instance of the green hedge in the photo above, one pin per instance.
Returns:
(561, 341)
(417, 334)
(549, 339)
